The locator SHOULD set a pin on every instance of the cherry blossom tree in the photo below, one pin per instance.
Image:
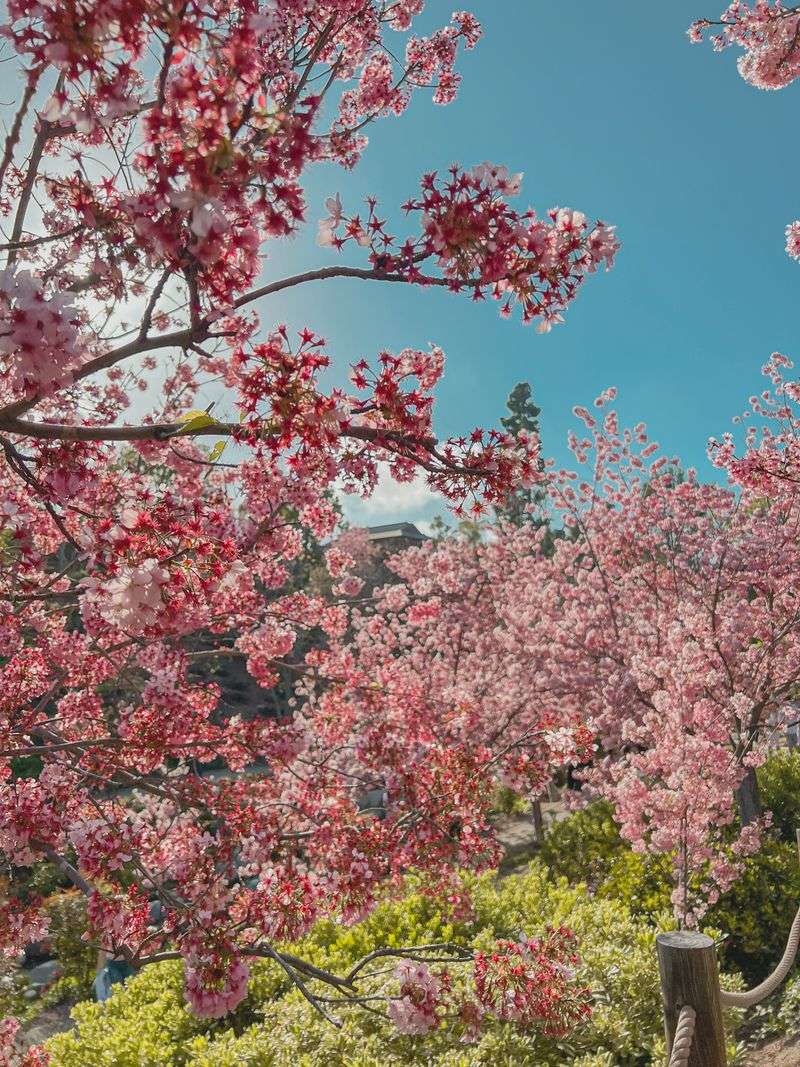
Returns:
(157, 155)
(441, 663)
(769, 36)
(673, 626)
(659, 644)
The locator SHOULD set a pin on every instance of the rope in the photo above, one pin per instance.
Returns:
(684, 1032)
(770, 984)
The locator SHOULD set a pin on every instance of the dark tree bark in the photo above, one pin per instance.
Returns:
(538, 822)
(748, 798)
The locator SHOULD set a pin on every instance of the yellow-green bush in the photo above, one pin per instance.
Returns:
(146, 1024)
(582, 847)
(640, 880)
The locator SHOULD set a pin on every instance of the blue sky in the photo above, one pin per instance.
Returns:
(606, 108)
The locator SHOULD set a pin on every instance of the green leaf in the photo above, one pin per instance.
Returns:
(217, 450)
(196, 420)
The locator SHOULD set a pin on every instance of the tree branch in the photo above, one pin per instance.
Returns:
(12, 139)
(323, 273)
(201, 332)
(65, 867)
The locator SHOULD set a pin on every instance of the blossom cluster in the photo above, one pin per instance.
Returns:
(769, 35)
(414, 1009)
(153, 568)
(389, 419)
(481, 244)
(215, 980)
(19, 926)
(12, 1051)
(40, 340)
(429, 61)
(119, 922)
(530, 982)
(229, 128)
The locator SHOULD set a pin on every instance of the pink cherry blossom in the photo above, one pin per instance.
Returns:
(213, 1000)
(414, 1010)
(40, 342)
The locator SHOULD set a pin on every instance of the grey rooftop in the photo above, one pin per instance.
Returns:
(395, 529)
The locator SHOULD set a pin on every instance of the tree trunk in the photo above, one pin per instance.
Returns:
(538, 822)
(748, 798)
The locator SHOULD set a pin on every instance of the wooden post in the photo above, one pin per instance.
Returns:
(687, 961)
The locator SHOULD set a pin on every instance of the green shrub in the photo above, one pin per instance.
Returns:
(757, 911)
(754, 916)
(639, 880)
(582, 847)
(14, 1003)
(779, 786)
(789, 1010)
(39, 880)
(587, 848)
(78, 960)
(506, 802)
(778, 1016)
(146, 1023)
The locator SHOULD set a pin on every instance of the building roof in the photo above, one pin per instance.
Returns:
(395, 529)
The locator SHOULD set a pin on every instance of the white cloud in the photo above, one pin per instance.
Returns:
(394, 501)
(425, 526)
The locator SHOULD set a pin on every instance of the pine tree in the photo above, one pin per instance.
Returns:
(526, 505)
(523, 414)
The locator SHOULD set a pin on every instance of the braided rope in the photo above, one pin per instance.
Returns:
(770, 984)
(684, 1032)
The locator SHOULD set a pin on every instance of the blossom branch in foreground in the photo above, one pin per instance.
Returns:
(157, 158)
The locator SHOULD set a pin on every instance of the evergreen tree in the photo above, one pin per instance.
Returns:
(523, 414)
(520, 505)
(526, 505)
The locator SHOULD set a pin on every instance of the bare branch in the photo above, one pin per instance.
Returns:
(323, 273)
